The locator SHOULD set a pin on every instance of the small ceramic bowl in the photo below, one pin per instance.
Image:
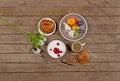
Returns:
(56, 49)
(47, 34)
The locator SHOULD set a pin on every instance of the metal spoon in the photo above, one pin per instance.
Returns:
(38, 52)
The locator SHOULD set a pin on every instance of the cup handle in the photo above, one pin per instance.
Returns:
(83, 44)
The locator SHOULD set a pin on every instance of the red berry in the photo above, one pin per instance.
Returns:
(58, 55)
(57, 50)
(58, 44)
(50, 49)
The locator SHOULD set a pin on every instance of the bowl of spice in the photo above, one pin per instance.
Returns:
(47, 26)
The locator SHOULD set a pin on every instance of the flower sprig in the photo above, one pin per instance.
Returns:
(37, 39)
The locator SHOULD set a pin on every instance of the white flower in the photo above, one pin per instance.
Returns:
(41, 42)
(45, 39)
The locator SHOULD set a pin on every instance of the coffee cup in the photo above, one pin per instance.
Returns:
(77, 46)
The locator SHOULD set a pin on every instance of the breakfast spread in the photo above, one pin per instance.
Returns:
(72, 27)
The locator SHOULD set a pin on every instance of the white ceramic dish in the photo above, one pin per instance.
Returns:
(63, 31)
(43, 32)
(54, 47)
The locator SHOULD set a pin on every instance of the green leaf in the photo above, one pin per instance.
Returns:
(34, 38)
(42, 36)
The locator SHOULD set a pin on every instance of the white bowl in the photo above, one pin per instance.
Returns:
(43, 32)
(63, 20)
(58, 45)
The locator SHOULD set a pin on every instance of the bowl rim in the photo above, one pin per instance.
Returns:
(79, 16)
(38, 26)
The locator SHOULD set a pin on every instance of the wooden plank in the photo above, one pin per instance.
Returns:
(14, 39)
(58, 67)
(95, 57)
(94, 30)
(26, 48)
(7, 30)
(32, 21)
(102, 47)
(31, 11)
(60, 3)
(103, 21)
(21, 58)
(104, 30)
(104, 57)
(61, 76)
(12, 48)
(87, 39)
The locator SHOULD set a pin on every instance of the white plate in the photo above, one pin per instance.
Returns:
(63, 31)
(45, 33)
(56, 44)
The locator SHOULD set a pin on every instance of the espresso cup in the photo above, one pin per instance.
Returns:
(77, 46)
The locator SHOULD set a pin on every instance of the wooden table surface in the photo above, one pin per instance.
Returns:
(18, 63)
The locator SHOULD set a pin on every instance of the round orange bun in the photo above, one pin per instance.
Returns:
(83, 57)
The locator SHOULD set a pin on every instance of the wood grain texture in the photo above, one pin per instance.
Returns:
(61, 76)
(31, 11)
(18, 63)
(58, 67)
(61, 3)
